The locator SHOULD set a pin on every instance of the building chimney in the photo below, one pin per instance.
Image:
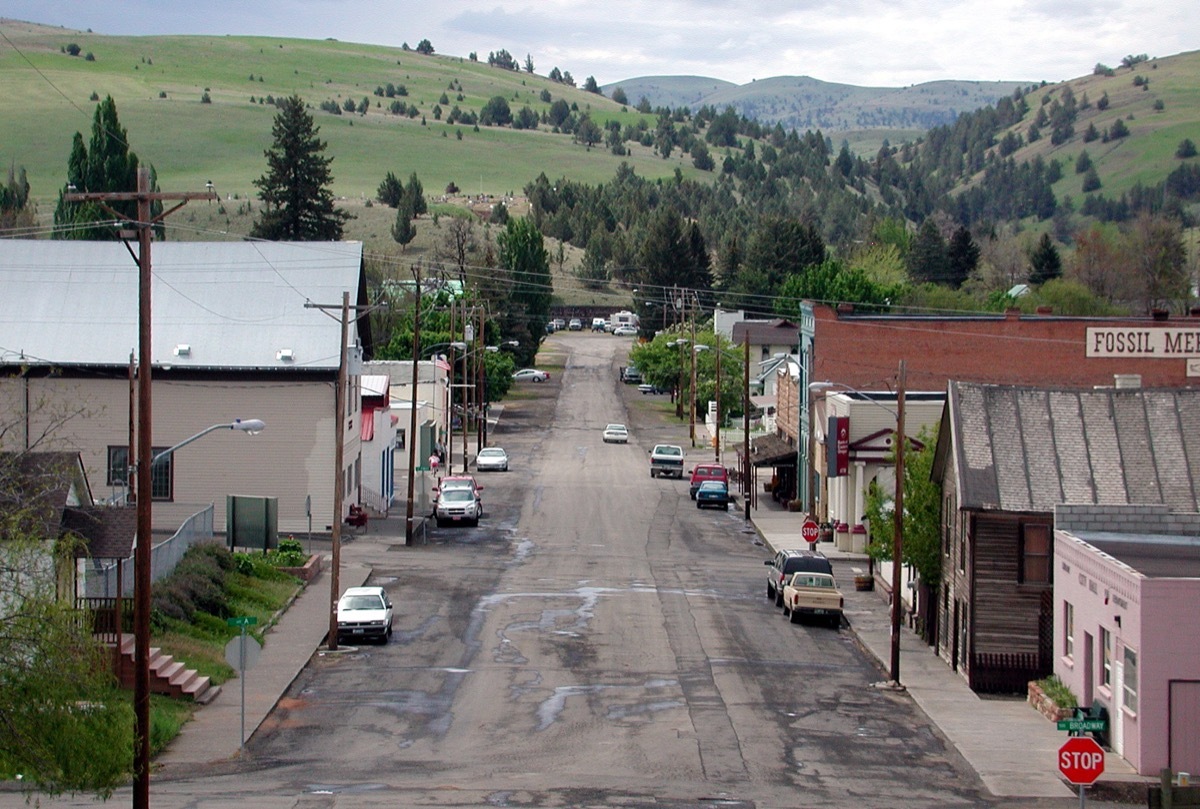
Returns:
(1159, 314)
(1012, 314)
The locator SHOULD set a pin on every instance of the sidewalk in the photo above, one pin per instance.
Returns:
(212, 735)
(1011, 746)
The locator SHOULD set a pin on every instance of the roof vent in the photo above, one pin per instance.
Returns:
(1125, 381)
(285, 355)
(183, 350)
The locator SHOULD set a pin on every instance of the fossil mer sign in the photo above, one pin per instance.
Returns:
(1170, 343)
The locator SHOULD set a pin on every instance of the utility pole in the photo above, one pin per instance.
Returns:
(480, 416)
(412, 413)
(898, 526)
(144, 225)
(717, 423)
(339, 482)
(692, 392)
(746, 421)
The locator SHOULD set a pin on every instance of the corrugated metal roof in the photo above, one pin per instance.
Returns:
(1027, 450)
(235, 305)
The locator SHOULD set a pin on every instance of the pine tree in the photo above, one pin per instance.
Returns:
(403, 229)
(962, 256)
(295, 189)
(105, 165)
(1045, 264)
(415, 193)
(928, 259)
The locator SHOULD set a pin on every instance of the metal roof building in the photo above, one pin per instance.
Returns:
(215, 305)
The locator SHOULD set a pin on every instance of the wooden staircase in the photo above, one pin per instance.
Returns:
(168, 676)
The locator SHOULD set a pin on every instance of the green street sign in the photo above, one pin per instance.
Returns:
(242, 620)
(423, 469)
(1082, 724)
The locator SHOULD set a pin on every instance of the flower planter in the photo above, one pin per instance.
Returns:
(1046, 706)
(864, 583)
(309, 571)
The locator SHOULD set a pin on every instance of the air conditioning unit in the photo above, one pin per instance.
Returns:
(183, 350)
(285, 355)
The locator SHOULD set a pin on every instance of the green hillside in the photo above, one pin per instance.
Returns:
(158, 83)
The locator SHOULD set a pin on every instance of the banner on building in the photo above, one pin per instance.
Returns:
(837, 446)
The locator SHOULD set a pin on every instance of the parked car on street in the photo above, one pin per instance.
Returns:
(789, 561)
(575, 325)
(713, 493)
(599, 324)
(625, 331)
(492, 459)
(616, 434)
(813, 594)
(530, 375)
(706, 471)
(631, 375)
(461, 482)
(457, 506)
(364, 613)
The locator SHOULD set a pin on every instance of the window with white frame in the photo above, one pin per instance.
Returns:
(1106, 658)
(162, 473)
(1130, 680)
(1068, 629)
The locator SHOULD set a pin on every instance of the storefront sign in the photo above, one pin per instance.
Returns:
(1172, 343)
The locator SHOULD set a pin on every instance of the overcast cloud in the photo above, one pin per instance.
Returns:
(863, 42)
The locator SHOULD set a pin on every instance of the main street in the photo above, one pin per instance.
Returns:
(596, 642)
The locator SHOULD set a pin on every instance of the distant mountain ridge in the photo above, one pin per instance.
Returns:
(803, 103)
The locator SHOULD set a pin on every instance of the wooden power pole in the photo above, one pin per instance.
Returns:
(143, 224)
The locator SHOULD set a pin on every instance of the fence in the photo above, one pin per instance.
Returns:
(100, 579)
(1004, 672)
(374, 501)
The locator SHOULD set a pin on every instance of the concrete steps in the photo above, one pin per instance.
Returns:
(168, 676)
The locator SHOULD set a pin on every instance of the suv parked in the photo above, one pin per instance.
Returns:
(707, 471)
(789, 561)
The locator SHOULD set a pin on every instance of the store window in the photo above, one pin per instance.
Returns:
(1130, 680)
(1068, 629)
(1106, 658)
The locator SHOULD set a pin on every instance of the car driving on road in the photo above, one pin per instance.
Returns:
(530, 375)
(457, 506)
(616, 434)
(666, 459)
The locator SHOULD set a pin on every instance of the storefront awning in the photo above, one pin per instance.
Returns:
(771, 450)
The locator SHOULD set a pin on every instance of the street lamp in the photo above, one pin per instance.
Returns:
(897, 510)
(249, 426)
(141, 611)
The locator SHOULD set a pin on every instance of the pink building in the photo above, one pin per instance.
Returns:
(1126, 635)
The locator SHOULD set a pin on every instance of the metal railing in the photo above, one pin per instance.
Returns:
(100, 577)
(374, 501)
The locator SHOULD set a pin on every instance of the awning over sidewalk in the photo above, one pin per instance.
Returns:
(771, 450)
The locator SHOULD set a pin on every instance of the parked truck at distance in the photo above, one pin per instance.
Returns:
(666, 459)
(813, 594)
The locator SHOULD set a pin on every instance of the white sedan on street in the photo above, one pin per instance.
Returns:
(625, 331)
(616, 434)
(491, 459)
(530, 375)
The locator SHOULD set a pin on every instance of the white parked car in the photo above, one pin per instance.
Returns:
(364, 612)
(530, 375)
(616, 434)
(625, 331)
(491, 459)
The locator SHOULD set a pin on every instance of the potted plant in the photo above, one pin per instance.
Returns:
(864, 582)
(795, 505)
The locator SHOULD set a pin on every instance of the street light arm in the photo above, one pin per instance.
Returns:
(251, 426)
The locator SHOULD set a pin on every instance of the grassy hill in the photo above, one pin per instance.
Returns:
(1159, 112)
(158, 83)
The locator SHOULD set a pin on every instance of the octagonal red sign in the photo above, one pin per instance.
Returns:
(1081, 760)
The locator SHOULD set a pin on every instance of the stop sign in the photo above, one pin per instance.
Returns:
(1081, 760)
(810, 531)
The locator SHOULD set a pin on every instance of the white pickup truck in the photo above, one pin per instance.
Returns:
(813, 594)
(666, 460)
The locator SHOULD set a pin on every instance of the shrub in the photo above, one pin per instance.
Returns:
(1053, 688)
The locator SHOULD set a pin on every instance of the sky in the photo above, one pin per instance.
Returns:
(878, 43)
